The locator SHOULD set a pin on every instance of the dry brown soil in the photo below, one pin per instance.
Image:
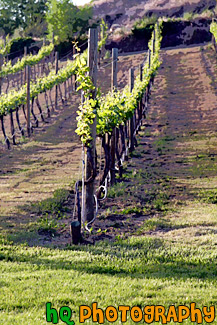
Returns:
(175, 164)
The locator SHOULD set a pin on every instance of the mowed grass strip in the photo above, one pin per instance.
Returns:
(138, 271)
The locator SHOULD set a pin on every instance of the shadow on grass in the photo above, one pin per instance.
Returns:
(141, 258)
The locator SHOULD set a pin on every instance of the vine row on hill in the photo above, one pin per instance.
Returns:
(7, 68)
(15, 100)
(117, 107)
(119, 116)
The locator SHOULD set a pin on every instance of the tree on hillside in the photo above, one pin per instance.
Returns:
(66, 20)
(33, 16)
(24, 14)
(9, 16)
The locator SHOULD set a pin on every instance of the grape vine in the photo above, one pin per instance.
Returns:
(213, 29)
(7, 68)
(9, 102)
(116, 108)
(103, 35)
(5, 47)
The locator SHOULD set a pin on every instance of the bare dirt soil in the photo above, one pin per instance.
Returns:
(173, 171)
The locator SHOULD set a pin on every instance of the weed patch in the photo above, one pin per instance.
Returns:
(55, 205)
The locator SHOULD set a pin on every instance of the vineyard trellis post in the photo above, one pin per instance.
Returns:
(28, 71)
(141, 101)
(25, 69)
(153, 44)
(75, 76)
(56, 71)
(52, 55)
(131, 135)
(99, 52)
(90, 161)
(1, 63)
(113, 88)
(149, 58)
(103, 48)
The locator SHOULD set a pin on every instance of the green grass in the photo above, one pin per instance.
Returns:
(117, 190)
(54, 205)
(209, 196)
(145, 22)
(138, 271)
(154, 224)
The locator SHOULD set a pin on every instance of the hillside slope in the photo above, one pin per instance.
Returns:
(127, 11)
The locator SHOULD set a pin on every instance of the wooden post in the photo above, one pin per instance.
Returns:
(56, 87)
(102, 36)
(131, 135)
(28, 70)
(141, 101)
(1, 63)
(153, 45)
(25, 69)
(149, 58)
(12, 127)
(99, 38)
(52, 55)
(43, 60)
(113, 88)
(141, 72)
(4, 133)
(90, 166)
(114, 69)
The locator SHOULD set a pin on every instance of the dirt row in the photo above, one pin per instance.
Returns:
(173, 171)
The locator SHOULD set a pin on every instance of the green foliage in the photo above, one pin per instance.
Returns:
(116, 190)
(31, 60)
(135, 210)
(154, 224)
(14, 44)
(161, 201)
(13, 99)
(103, 34)
(25, 13)
(86, 113)
(87, 110)
(5, 46)
(209, 196)
(116, 108)
(145, 22)
(47, 224)
(213, 29)
(65, 19)
(54, 205)
(107, 55)
(188, 16)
